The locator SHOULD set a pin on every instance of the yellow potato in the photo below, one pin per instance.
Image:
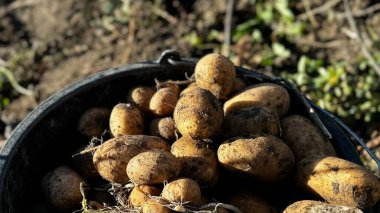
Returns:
(126, 119)
(306, 206)
(189, 88)
(154, 206)
(163, 102)
(163, 127)
(140, 97)
(182, 190)
(141, 193)
(94, 121)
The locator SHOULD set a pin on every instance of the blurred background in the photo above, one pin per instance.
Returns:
(329, 48)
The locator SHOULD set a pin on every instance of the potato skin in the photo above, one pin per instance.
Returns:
(306, 206)
(153, 167)
(140, 97)
(272, 96)
(304, 138)
(126, 119)
(198, 114)
(163, 127)
(264, 157)
(215, 73)
(154, 206)
(250, 121)
(140, 194)
(61, 188)
(112, 157)
(248, 203)
(163, 102)
(94, 121)
(338, 181)
(198, 160)
(182, 190)
(189, 88)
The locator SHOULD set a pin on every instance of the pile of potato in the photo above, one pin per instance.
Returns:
(175, 149)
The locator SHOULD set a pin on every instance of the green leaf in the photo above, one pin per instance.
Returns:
(280, 51)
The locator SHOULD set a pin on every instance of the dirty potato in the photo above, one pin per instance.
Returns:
(304, 138)
(198, 160)
(189, 88)
(140, 97)
(250, 121)
(272, 96)
(163, 127)
(264, 157)
(198, 114)
(61, 188)
(112, 157)
(338, 181)
(306, 206)
(163, 102)
(153, 167)
(182, 190)
(94, 121)
(141, 193)
(126, 119)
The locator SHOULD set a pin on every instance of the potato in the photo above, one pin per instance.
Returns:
(61, 188)
(189, 88)
(168, 84)
(182, 190)
(249, 121)
(338, 181)
(264, 157)
(126, 119)
(272, 96)
(163, 102)
(94, 121)
(198, 114)
(112, 157)
(83, 164)
(198, 160)
(238, 85)
(153, 167)
(304, 138)
(215, 73)
(141, 193)
(140, 97)
(163, 127)
(154, 206)
(307, 206)
(248, 203)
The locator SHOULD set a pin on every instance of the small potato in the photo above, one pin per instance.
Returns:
(215, 73)
(310, 206)
(163, 102)
(248, 203)
(61, 188)
(140, 97)
(154, 206)
(238, 85)
(163, 127)
(126, 119)
(189, 88)
(153, 167)
(264, 157)
(250, 121)
(272, 96)
(140, 194)
(182, 190)
(304, 138)
(94, 121)
(198, 114)
(198, 160)
(83, 164)
(338, 181)
(112, 157)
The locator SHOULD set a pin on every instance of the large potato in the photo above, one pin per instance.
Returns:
(272, 96)
(215, 73)
(126, 119)
(307, 206)
(198, 160)
(248, 203)
(94, 121)
(182, 190)
(153, 167)
(112, 157)
(304, 138)
(198, 114)
(250, 121)
(141, 193)
(140, 97)
(338, 181)
(61, 188)
(163, 127)
(164, 101)
(264, 157)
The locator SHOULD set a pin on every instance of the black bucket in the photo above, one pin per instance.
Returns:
(48, 136)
